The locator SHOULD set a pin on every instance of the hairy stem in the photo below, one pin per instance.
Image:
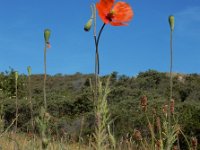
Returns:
(171, 65)
(16, 103)
(45, 77)
(171, 88)
(31, 104)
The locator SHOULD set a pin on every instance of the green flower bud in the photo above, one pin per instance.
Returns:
(47, 34)
(171, 22)
(88, 25)
(16, 75)
(29, 70)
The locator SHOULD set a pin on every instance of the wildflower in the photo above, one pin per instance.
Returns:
(175, 147)
(116, 14)
(194, 142)
(98, 118)
(143, 103)
(165, 109)
(158, 124)
(154, 111)
(159, 144)
(16, 75)
(150, 126)
(29, 70)
(137, 135)
(172, 106)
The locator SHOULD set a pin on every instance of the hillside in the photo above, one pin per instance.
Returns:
(69, 100)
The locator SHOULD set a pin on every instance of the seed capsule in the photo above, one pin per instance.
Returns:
(171, 22)
(47, 33)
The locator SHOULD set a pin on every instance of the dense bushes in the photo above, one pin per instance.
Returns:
(69, 99)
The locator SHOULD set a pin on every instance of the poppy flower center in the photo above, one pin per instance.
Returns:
(110, 15)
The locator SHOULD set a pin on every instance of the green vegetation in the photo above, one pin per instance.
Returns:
(70, 99)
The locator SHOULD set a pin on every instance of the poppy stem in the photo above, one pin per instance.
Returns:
(171, 63)
(97, 64)
(97, 70)
(45, 77)
(171, 76)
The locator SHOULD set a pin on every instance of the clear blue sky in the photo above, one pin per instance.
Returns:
(142, 45)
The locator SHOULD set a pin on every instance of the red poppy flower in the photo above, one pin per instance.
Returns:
(117, 14)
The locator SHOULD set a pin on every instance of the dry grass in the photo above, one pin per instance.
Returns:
(11, 141)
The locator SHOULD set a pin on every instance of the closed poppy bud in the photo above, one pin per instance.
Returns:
(171, 22)
(47, 34)
(16, 75)
(88, 25)
(29, 70)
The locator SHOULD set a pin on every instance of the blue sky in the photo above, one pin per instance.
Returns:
(142, 45)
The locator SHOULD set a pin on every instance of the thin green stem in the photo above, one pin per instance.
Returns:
(151, 131)
(171, 65)
(45, 77)
(171, 78)
(171, 88)
(97, 47)
(80, 134)
(31, 104)
(97, 64)
(16, 103)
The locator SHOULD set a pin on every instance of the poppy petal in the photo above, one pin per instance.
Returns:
(118, 24)
(104, 7)
(122, 12)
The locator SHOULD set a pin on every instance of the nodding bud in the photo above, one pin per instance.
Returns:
(88, 25)
(47, 33)
(16, 75)
(29, 70)
(171, 22)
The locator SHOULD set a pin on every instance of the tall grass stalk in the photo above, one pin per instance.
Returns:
(30, 98)
(16, 101)
(171, 58)
(80, 134)
(45, 76)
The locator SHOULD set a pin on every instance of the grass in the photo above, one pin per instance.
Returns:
(21, 141)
